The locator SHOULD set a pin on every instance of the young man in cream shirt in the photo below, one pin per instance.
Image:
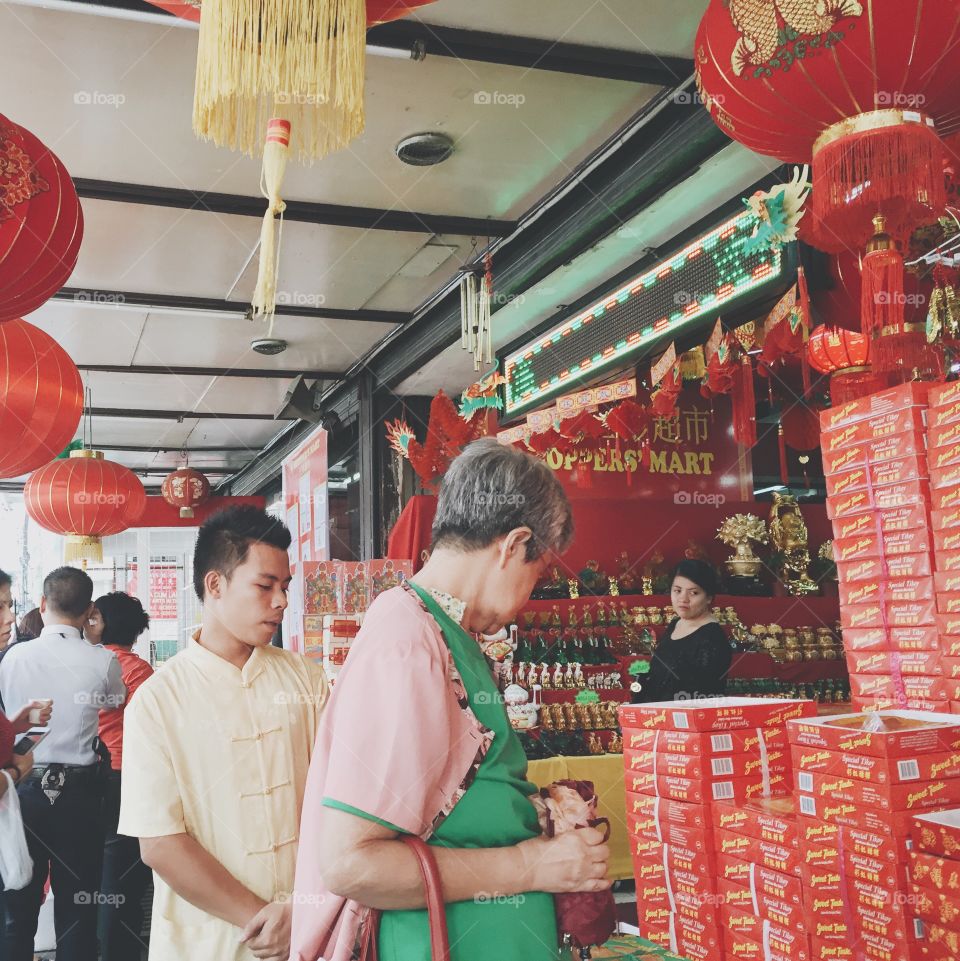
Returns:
(215, 756)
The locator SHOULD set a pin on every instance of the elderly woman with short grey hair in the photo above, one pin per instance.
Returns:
(415, 740)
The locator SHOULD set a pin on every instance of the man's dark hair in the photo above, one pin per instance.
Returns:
(124, 618)
(224, 541)
(5, 579)
(68, 591)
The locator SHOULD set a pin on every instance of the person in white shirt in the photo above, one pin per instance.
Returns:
(61, 798)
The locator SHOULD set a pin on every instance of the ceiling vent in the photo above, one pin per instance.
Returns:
(268, 346)
(425, 149)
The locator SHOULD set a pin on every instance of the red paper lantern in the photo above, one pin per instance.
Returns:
(41, 398)
(41, 223)
(84, 498)
(859, 89)
(845, 356)
(185, 488)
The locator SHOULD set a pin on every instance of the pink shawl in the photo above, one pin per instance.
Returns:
(397, 741)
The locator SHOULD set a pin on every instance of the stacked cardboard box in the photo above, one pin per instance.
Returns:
(943, 457)
(935, 882)
(682, 758)
(860, 781)
(879, 499)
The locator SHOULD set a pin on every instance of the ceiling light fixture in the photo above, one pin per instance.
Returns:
(268, 346)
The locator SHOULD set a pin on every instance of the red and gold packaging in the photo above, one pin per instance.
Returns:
(947, 582)
(902, 566)
(861, 592)
(948, 625)
(857, 479)
(845, 458)
(943, 395)
(861, 616)
(836, 950)
(668, 813)
(881, 662)
(717, 767)
(703, 743)
(880, 797)
(948, 561)
(900, 471)
(946, 540)
(945, 435)
(893, 400)
(766, 854)
(846, 550)
(936, 908)
(696, 791)
(938, 833)
(941, 943)
(773, 819)
(947, 520)
(943, 415)
(780, 943)
(914, 517)
(878, 770)
(936, 874)
(866, 569)
(910, 613)
(904, 639)
(714, 714)
(948, 603)
(892, 734)
(876, 688)
(912, 540)
(945, 498)
(948, 455)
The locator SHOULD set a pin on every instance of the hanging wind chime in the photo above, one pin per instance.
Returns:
(476, 292)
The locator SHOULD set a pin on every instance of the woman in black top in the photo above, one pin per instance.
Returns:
(693, 655)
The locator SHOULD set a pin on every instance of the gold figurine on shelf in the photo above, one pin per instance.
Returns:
(616, 744)
(737, 532)
(788, 532)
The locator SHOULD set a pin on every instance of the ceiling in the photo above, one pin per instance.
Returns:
(155, 310)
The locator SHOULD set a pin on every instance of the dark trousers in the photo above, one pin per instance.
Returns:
(66, 840)
(125, 879)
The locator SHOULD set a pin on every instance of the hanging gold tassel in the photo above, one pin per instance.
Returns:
(79, 547)
(267, 58)
(275, 152)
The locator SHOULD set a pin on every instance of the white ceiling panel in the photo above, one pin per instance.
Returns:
(141, 433)
(136, 127)
(220, 340)
(653, 26)
(235, 433)
(92, 334)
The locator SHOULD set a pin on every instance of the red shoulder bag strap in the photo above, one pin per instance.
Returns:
(436, 909)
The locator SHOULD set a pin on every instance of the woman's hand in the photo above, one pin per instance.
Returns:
(22, 764)
(572, 861)
(21, 720)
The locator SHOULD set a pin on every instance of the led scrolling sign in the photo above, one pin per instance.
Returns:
(711, 271)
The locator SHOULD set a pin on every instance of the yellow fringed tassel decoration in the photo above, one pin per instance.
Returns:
(275, 152)
(80, 547)
(301, 60)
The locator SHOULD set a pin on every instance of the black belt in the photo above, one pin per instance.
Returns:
(73, 775)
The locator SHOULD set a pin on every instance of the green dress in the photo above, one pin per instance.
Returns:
(495, 811)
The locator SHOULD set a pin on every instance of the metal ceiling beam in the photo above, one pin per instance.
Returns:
(533, 53)
(213, 305)
(166, 448)
(273, 374)
(663, 147)
(333, 215)
(178, 415)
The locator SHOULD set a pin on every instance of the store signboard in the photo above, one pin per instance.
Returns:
(708, 274)
(307, 515)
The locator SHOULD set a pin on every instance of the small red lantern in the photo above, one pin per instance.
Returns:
(845, 356)
(41, 398)
(185, 488)
(84, 498)
(857, 89)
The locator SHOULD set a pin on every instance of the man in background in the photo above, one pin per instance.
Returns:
(61, 797)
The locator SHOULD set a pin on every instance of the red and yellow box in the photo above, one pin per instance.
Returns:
(703, 743)
(861, 616)
(913, 540)
(884, 402)
(696, 860)
(940, 943)
(843, 483)
(767, 854)
(946, 540)
(845, 458)
(904, 469)
(866, 569)
(878, 770)
(936, 874)
(938, 833)
(910, 613)
(949, 626)
(883, 662)
(948, 603)
(945, 435)
(943, 415)
(861, 592)
(891, 734)
(947, 582)
(902, 566)
(943, 395)
(730, 868)
(935, 907)
(945, 498)
(904, 639)
(771, 819)
(697, 791)
(877, 688)
(947, 520)
(835, 947)
(911, 589)
(948, 561)
(714, 714)
(667, 813)
(652, 831)
(882, 797)
(948, 455)
(780, 942)
(860, 547)
(715, 767)
(914, 517)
